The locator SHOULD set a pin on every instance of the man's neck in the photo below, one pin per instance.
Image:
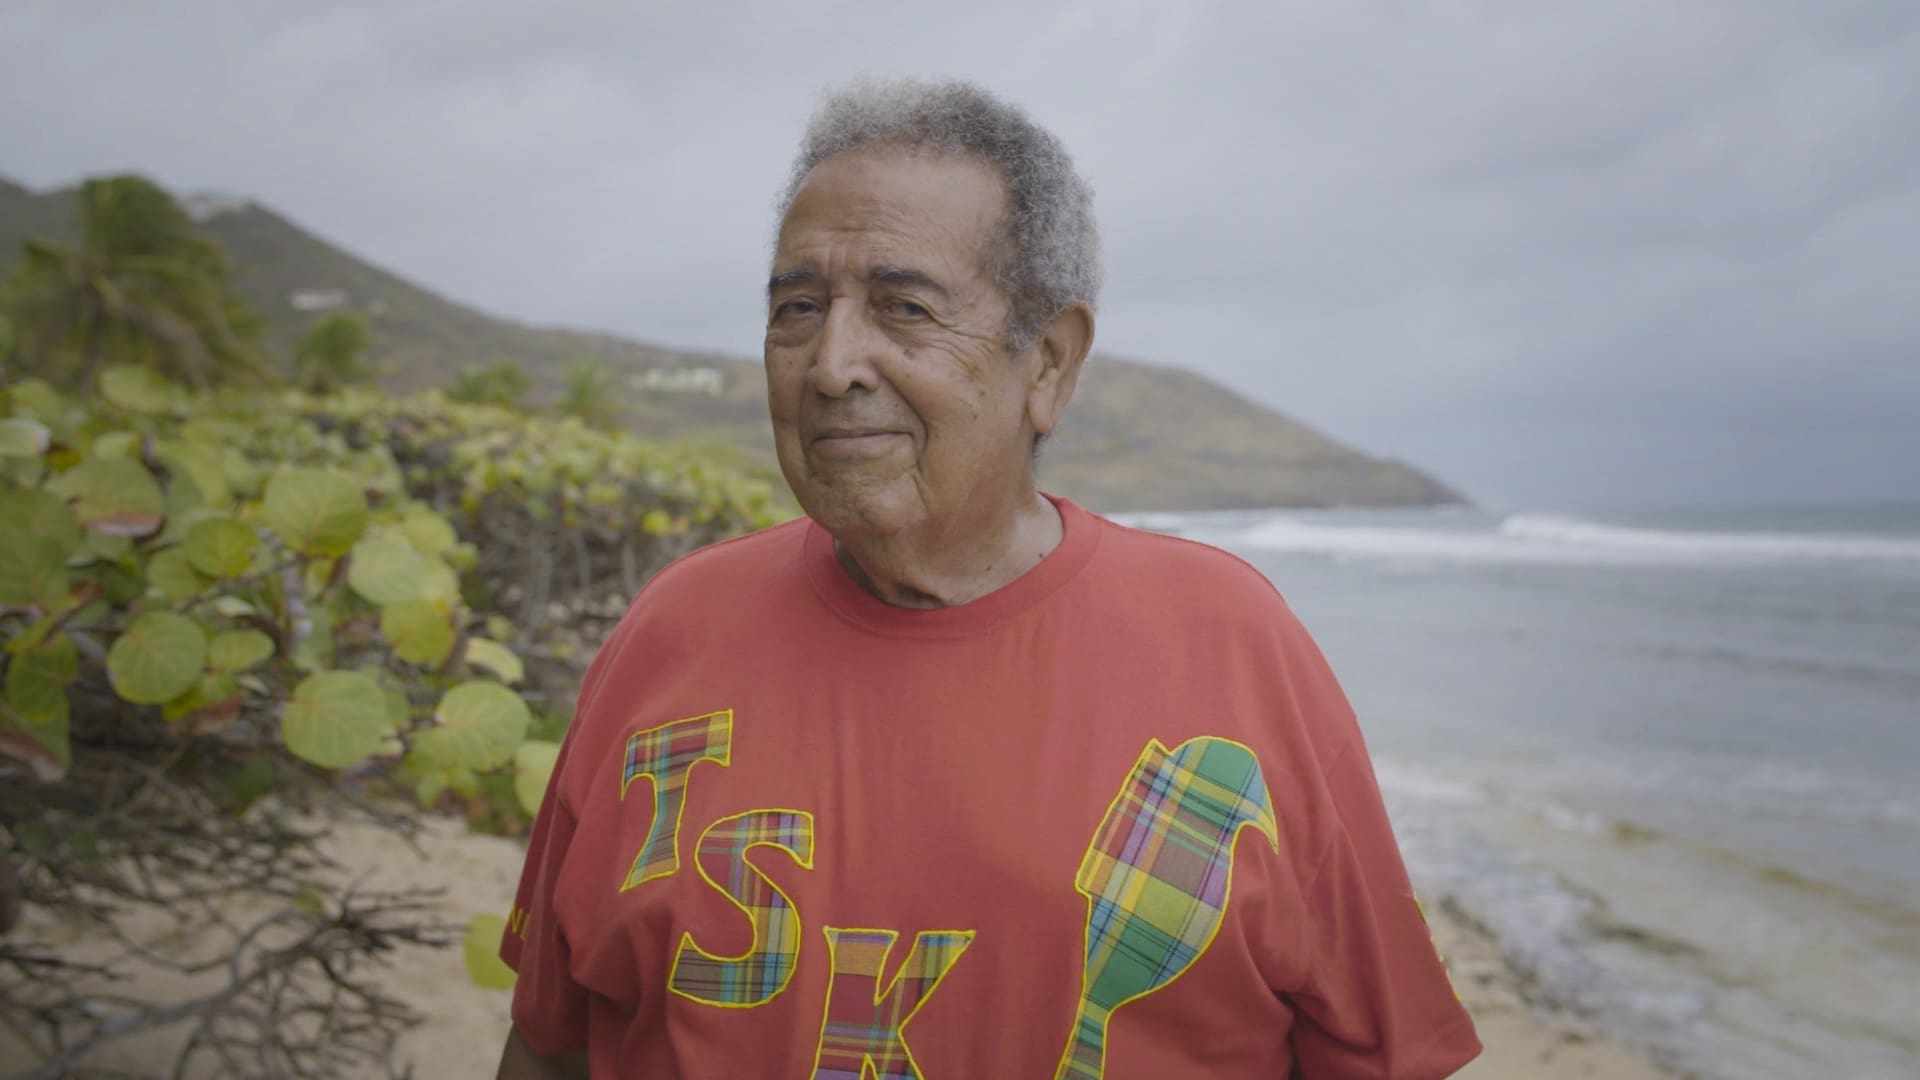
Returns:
(933, 567)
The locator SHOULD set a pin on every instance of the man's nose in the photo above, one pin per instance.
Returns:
(844, 358)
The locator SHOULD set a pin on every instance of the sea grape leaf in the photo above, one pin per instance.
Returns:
(33, 571)
(316, 511)
(22, 472)
(532, 769)
(55, 657)
(43, 745)
(98, 547)
(185, 509)
(30, 636)
(245, 477)
(429, 787)
(183, 500)
(24, 437)
(439, 584)
(463, 782)
(137, 389)
(221, 547)
(482, 949)
(428, 532)
(478, 726)
(35, 694)
(124, 444)
(233, 607)
(38, 397)
(118, 582)
(112, 495)
(32, 512)
(209, 707)
(237, 650)
(464, 556)
(205, 466)
(495, 659)
(421, 633)
(170, 574)
(335, 719)
(157, 658)
(386, 571)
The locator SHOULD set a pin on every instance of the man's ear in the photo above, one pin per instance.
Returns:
(1061, 348)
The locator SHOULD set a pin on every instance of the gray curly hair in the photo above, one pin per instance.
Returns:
(1048, 254)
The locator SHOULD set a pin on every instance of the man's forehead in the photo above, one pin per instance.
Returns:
(939, 259)
(891, 208)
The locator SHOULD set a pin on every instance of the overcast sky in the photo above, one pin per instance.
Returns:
(1559, 253)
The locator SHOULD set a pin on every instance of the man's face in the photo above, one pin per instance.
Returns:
(895, 403)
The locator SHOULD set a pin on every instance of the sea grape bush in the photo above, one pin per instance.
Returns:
(291, 565)
(252, 578)
(231, 587)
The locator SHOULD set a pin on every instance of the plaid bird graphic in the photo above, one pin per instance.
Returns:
(1157, 876)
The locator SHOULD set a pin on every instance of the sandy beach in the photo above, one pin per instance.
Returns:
(463, 1025)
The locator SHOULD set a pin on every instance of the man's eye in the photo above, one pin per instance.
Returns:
(795, 309)
(909, 309)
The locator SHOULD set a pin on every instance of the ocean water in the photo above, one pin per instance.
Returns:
(1670, 758)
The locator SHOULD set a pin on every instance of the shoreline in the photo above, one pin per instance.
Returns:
(463, 1026)
(1523, 1034)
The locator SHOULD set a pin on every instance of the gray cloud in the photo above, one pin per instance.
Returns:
(1559, 253)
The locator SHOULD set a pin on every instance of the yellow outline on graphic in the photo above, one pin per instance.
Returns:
(724, 758)
(881, 993)
(799, 931)
(1271, 831)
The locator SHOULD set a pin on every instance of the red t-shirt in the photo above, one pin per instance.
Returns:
(1112, 820)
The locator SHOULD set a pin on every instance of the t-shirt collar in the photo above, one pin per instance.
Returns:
(1080, 535)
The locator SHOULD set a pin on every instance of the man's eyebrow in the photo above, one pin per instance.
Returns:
(802, 276)
(902, 277)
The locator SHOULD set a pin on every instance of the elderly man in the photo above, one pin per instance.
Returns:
(952, 778)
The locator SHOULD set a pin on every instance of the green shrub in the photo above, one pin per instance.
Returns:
(212, 596)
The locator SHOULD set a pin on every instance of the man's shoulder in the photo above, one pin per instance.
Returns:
(696, 601)
(697, 589)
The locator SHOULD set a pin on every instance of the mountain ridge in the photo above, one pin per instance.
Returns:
(1137, 436)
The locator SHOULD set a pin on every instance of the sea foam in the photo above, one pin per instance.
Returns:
(1707, 546)
(1551, 539)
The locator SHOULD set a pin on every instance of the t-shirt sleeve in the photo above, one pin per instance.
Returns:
(1376, 1001)
(549, 1008)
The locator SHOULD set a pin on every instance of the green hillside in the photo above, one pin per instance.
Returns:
(1137, 437)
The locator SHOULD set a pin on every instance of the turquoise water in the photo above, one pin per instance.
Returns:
(1669, 757)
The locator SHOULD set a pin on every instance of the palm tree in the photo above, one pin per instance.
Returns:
(333, 353)
(591, 393)
(143, 287)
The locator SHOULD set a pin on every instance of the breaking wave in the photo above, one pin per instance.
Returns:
(1552, 539)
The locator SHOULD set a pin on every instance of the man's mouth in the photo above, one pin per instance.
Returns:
(855, 442)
